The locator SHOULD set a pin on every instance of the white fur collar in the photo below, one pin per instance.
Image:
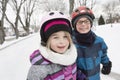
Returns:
(68, 58)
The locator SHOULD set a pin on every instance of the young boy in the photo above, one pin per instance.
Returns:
(92, 50)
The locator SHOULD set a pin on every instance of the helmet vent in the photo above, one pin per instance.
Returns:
(61, 13)
(52, 13)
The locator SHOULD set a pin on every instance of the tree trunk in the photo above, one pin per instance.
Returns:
(2, 36)
(16, 32)
(71, 6)
(2, 33)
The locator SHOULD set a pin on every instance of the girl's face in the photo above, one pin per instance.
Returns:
(83, 25)
(59, 42)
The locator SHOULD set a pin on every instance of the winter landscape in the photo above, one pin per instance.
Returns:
(14, 55)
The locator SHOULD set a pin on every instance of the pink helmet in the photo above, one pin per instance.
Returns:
(53, 15)
(57, 19)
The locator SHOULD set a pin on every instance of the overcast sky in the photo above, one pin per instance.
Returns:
(104, 1)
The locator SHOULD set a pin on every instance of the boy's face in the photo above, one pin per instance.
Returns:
(59, 42)
(83, 25)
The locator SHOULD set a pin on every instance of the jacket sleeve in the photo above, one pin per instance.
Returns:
(37, 73)
(104, 57)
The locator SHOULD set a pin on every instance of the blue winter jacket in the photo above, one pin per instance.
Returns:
(89, 58)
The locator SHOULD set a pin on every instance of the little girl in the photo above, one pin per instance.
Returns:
(55, 59)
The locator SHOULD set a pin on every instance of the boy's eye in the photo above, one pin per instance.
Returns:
(85, 22)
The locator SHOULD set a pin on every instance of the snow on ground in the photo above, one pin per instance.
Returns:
(14, 55)
(112, 39)
(14, 60)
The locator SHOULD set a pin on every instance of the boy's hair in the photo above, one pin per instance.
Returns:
(68, 37)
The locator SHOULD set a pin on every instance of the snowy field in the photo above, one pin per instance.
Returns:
(111, 36)
(14, 55)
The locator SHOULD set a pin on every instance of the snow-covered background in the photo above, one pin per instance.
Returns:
(14, 55)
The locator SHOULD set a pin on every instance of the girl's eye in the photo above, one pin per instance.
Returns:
(65, 36)
(55, 37)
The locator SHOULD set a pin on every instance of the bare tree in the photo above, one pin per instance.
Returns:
(16, 7)
(3, 10)
(71, 6)
(28, 8)
(93, 2)
(49, 5)
(83, 2)
(109, 9)
(89, 3)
